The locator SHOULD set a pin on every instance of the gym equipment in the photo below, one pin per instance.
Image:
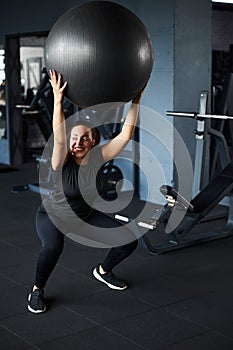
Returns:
(109, 176)
(201, 131)
(223, 104)
(103, 51)
(158, 236)
(195, 211)
(41, 107)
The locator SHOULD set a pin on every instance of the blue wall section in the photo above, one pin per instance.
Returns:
(192, 61)
(155, 160)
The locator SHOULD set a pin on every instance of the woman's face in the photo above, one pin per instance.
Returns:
(81, 142)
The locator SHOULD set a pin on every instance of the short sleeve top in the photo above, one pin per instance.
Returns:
(75, 187)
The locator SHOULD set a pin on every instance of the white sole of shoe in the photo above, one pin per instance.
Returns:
(99, 278)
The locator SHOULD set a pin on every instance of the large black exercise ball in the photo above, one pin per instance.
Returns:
(103, 51)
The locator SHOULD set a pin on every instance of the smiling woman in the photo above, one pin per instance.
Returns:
(76, 163)
(81, 142)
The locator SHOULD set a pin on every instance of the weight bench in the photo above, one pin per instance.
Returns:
(195, 211)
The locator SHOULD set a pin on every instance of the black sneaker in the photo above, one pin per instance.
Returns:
(36, 301)
(110, 279)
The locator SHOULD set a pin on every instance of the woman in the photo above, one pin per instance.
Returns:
(80, 156)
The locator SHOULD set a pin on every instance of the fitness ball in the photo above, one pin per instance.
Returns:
(102, 50)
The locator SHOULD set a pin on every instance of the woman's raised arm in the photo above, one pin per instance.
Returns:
(118, 143)
(59, 129)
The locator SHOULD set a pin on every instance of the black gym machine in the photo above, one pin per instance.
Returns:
(197, 210)
(194, 212)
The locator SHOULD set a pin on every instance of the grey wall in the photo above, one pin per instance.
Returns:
(181, 31)
(156, 133)
(192, 60)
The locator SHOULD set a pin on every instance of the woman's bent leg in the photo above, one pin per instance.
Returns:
(116, 255)
(52, 246)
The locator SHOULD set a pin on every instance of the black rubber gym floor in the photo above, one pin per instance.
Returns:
(175, 301)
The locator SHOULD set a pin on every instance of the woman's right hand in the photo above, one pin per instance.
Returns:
(58, 88)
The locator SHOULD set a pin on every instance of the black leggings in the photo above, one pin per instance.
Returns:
(53, 242)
